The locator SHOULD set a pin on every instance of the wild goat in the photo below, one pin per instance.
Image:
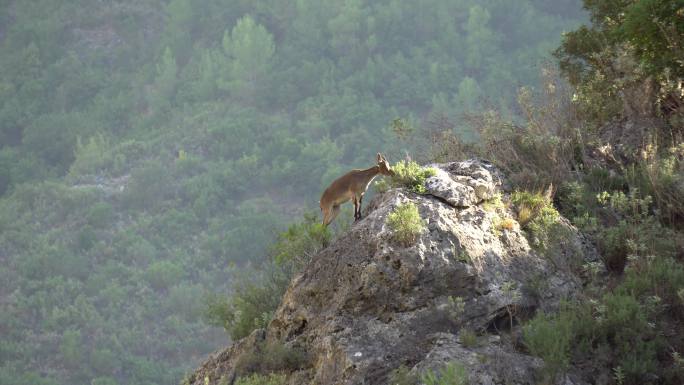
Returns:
(351, 186)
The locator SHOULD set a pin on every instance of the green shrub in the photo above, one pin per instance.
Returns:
(537, 217)
(256, 296)
(408, 174)
(260, 379)
(467, 338)
(149, 186)
(402, 376)
(651, 276)
(301, 241)
(454, 373)
(495, 204)
(637, 232)
(100, 215)
(623, 326)
(86, 238)
(550, 338)
(163, 274)
(406, 224)
(104, 381)
(91, 156)
(252, 304)
(271, 357)
(627, 328)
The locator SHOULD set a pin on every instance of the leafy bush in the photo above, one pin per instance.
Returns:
(260, 379)
(300, 242)
(545, 148)
(251, 305)
(637, 231)
(256, 296)
(100, 214)
(651, 28)
(454, 373)
(495, 204)
(92, 156)
(537, 217)
(407, 174)
(148, 187)
(627, 328)
(402, 376)
(163, 274)
(625, 322)
(650, 276)
(406, 224)
(467, 338)
(550, 337)
(660, 174)
(271, 357)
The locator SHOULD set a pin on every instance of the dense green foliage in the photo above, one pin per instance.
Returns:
(653, 30)
(257, 294)
(625, 327)
(148, 149)
(612, 146)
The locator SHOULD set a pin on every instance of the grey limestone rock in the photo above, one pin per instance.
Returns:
(366, 305)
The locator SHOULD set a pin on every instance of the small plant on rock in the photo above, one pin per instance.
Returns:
(260, 379)
(454, 373)
(403, 376)
(536, 216)
(494, 204)
(467, 338)
(406, 224)
(271, 357)
(407, 174)
(456, 307)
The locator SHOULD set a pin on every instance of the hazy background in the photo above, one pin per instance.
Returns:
(150, 149)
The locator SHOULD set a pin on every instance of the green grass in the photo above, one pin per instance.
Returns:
(408, 174)
(454, 373)
(467, 338)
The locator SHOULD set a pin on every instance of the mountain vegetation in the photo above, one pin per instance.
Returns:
(605, 150)
(150, 151)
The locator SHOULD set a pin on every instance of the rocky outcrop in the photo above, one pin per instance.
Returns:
(366, 305)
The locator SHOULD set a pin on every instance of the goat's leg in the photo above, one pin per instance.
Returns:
(326, 213)
(359, 209)
(333, 214)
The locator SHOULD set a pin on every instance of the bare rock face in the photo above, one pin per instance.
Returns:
(366, 305)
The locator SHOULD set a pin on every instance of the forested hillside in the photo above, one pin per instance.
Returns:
(151, 149)
(592, 186)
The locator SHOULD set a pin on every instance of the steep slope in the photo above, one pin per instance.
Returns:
(366, 305)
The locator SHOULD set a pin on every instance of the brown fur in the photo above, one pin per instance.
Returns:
(351, 186)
